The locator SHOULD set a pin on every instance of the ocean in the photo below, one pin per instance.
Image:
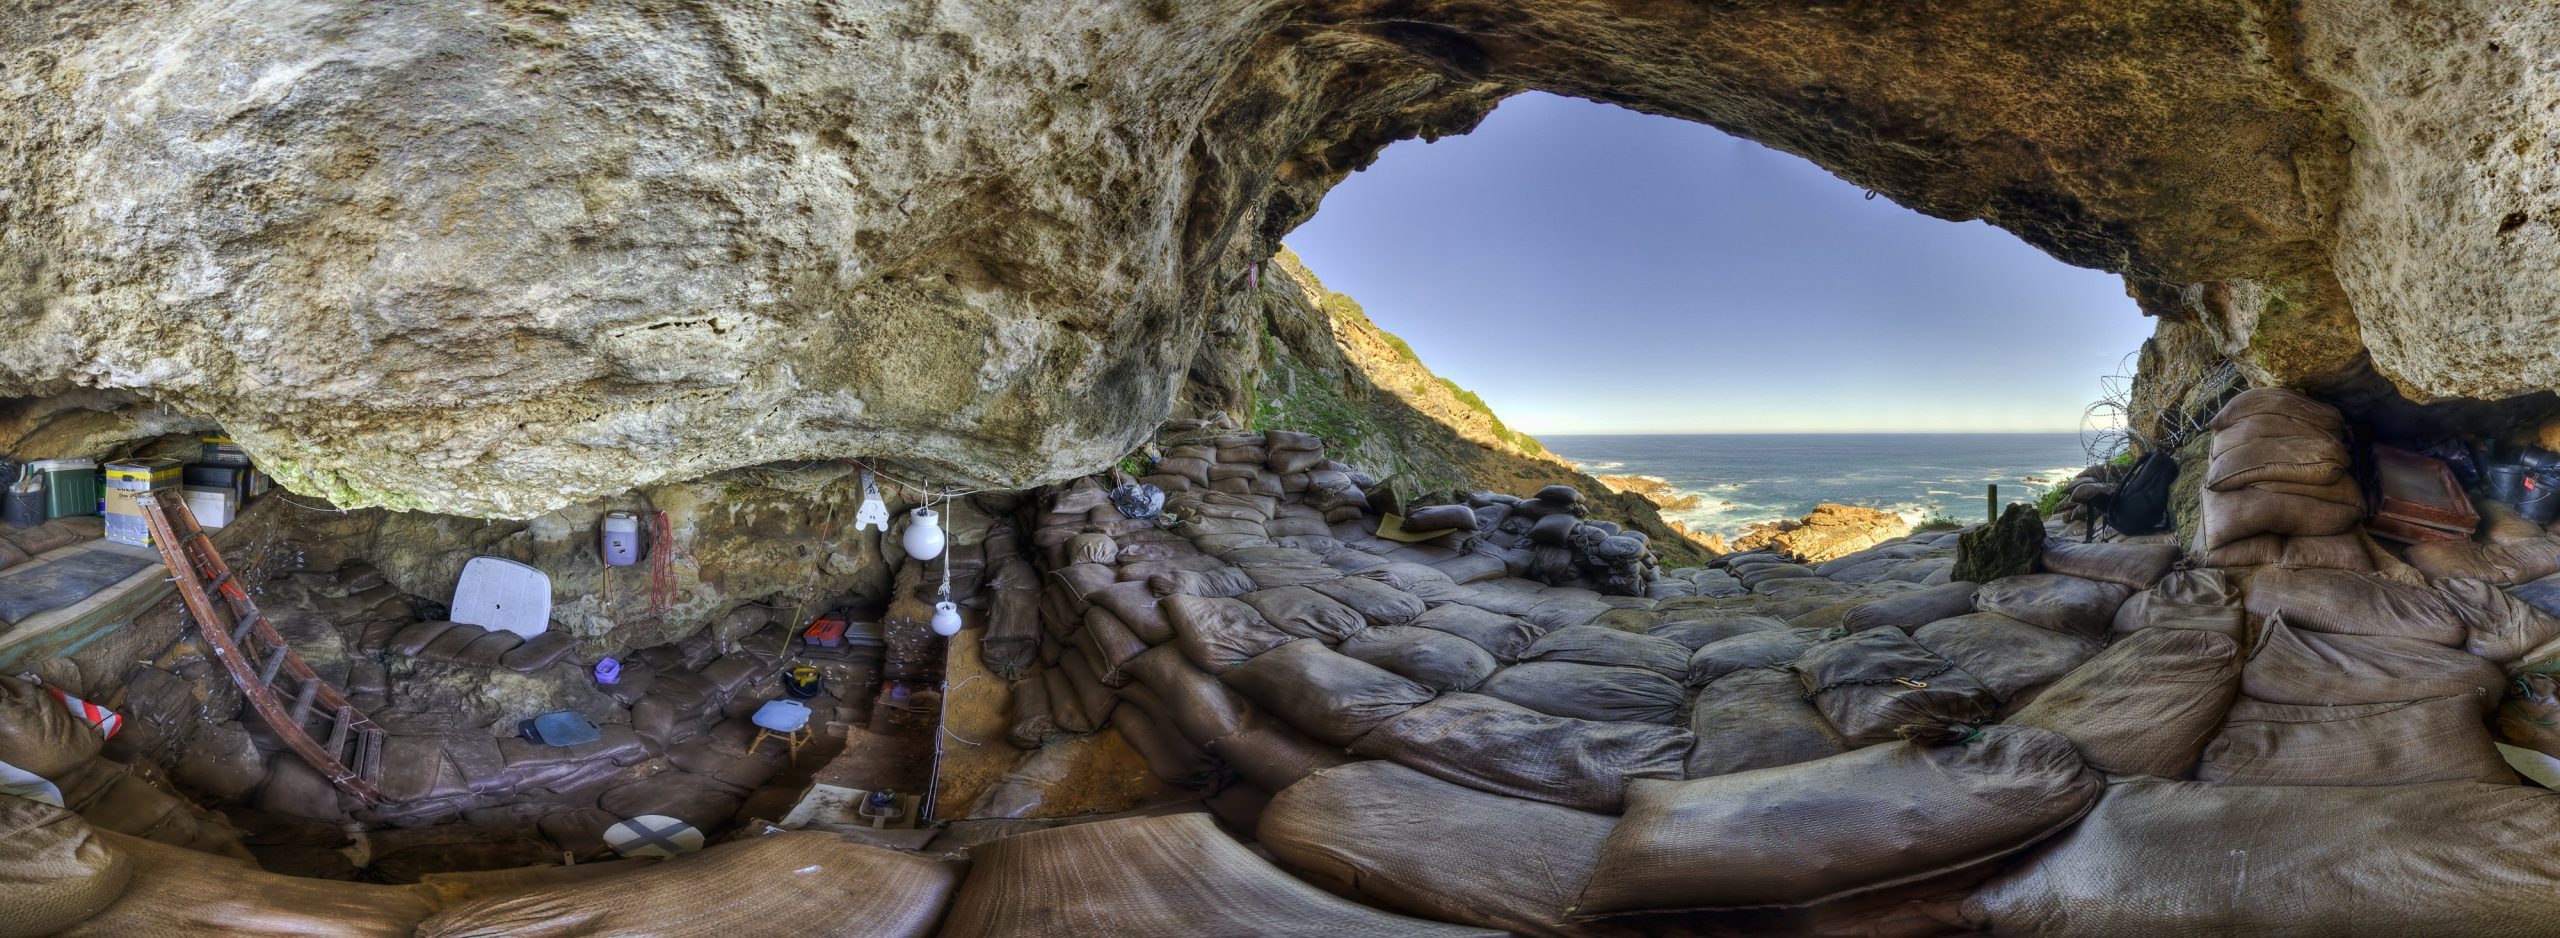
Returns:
(1742, 479)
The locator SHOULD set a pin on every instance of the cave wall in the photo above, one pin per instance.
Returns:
(499, 258)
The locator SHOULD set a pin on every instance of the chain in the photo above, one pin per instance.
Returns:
(1914, 681)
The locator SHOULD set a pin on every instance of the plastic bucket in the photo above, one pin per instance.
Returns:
(2541, 501)
(23, 509)
(2506, 484)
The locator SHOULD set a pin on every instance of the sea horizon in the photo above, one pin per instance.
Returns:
(1743, 479)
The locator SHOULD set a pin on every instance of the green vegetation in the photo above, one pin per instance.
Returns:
(1526, 443)
(2051, 500)
(1133, 465)
(1936, 521)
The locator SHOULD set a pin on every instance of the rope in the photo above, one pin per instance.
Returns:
(1905, 680)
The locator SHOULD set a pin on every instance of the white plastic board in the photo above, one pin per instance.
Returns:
(652, 835)
(500, 594)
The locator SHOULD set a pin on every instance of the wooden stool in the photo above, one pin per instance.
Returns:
(788, 719)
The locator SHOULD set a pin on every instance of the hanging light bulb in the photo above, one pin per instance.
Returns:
(946, 618)
(924, 534)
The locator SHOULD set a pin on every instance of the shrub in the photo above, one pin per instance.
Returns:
(1936, 521)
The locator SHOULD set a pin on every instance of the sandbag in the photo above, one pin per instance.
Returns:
(2449, 858)
(1171, 758)
(1203, 709)
(805, 880)
(1760, 575)
(2202, 600)
(1873, 685)
(1592, 644)
(2147, 705)
(2011, 658)
(1912, 609)
(1327, 695)
(1137, 608)
(176, 891)
(1440, 518)
(1224, 583)
(2520, 561)
(1377, 602)
(1292, 462)
(39, 734)
(1858, 821)
(1217, 633)
(1093, 697)
(1695, 628)
(1032, 724)
(1275, 575)
(1305, 613)
(1504, 637)
(1093, 548)
(1588, 691)
(2499, 626)
(2301, 460)
(2344, 603)
(2066, 604)
(1565, 612)
(2282, 402)
(1496, 746)
(1472, 568)
(2292, 666)
(1271, 755)
(55, 872)
(2432, 740)
(1433, 659)
(1757, 718)
(2530, 714)
(2543, 594)
(1066, 707)
(1425, 582)
(2248, 512)
(1280, 441)
(1774, 648)
(1401, 840)
(1166, 876)
(2132, 565)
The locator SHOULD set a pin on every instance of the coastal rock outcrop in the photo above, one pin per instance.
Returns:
(1831, 531)
(495, 261)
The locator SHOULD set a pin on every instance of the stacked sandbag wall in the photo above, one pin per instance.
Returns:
(2278, 488)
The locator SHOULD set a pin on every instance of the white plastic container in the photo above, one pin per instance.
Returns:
(621, 539)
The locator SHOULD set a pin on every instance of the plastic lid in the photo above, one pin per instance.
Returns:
(63, 465)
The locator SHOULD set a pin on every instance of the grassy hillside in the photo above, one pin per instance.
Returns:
(1323, 366)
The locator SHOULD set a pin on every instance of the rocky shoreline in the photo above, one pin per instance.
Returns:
(1660, 493)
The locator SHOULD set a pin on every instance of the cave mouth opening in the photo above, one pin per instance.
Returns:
(1768, 335)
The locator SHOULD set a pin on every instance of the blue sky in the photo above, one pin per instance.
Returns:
(1590, 269)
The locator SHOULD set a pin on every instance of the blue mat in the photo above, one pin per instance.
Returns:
(31, 589)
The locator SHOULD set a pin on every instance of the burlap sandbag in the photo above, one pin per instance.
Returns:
(811, 883)
(1065, 707)
(2281, 402)
(2067, 604)
(1699, 628)
(2519, 561)
(2147, 705)
(181, 892)
(1433, 659)
(1858, 821)
(1325, 694)
(2500, 524)
(2132, 565)
(2255, 510)
(2202, 600)
(1496, 746)
(55, 872)
(1217, 633)
(2437, 739)
(2450, 858)
(1440, 518)
(1593, 644)
(1563, 612)
(2344, 603)
(2011, 658)
(1111, 642)
(1911, 609)
(1874, 685)
(1227, 582)
(1757, 718)
(1272, 756)
(1406, 842)
(38, 734)
(1589, 691)
(1202, 708)
(1138, 608)
(1375, 601)
(2301, 460)
(1775, 648)
(1171, 758)
(1169, 876)
(1305, 613)
(1759, 575)
(1032, 725)
(1423, 581)
(2529, 716)
(2501, 626)
(1504, 637)
(2292, 666)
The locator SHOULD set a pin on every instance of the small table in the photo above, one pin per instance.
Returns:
(788, 719)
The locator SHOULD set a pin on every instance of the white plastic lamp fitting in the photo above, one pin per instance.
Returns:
(924, 534)
(946, 618)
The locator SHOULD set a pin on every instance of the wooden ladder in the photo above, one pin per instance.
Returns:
(234, 627)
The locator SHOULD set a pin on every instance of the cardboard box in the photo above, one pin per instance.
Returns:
(129, 479)
(128, 529)
(213, 507)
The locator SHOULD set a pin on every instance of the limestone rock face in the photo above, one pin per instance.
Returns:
(496, 259)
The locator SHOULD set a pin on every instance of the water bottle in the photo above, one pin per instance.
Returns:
(621, 539)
